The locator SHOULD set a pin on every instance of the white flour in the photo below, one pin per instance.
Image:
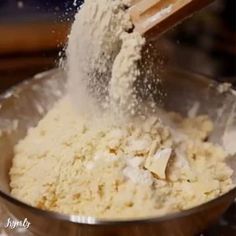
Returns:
(129, 170)
(103, 57)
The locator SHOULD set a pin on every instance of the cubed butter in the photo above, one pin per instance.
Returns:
(157, 163)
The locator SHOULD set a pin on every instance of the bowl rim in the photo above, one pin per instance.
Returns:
(94, 221)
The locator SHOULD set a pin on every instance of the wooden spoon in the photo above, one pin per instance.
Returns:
(156, 16)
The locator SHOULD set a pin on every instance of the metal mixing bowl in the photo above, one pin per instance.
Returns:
(25, 105)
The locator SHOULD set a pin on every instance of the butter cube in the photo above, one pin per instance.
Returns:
(157, 163)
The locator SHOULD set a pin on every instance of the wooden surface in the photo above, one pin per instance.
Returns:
(29, 48)
(34, 36)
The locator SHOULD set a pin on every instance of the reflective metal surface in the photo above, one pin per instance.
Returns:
(25, 106)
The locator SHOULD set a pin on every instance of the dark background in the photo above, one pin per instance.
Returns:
(32, 32)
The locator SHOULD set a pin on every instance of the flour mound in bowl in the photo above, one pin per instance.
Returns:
(103, 151)
(109, 169)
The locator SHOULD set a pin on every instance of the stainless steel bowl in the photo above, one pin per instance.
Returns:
(25, 105)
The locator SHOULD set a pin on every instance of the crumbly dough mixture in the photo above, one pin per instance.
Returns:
(70, 164)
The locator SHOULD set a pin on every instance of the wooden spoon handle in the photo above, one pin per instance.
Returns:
(154, 17)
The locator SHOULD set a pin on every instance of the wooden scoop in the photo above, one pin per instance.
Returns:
(156, 16)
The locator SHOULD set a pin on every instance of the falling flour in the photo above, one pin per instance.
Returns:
(103, 55)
